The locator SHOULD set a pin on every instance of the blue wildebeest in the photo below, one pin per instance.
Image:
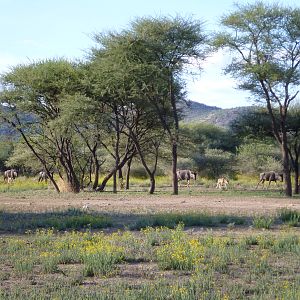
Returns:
(43, 176)
(10, 175)
(269, 176)
(186, 175)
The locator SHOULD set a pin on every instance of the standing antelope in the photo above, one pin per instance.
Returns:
(222, 183)
(43, 176)
(186, 175)
(10, 175)
(269, 176)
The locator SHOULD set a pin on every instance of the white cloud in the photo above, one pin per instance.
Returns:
(219, 92)
(215, 88)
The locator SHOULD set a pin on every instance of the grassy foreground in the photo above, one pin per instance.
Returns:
(154, 263)
(62, 255)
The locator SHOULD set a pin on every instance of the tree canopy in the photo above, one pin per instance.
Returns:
(264, 41)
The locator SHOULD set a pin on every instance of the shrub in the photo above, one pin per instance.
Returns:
(180, 253)
(263, 222)
(290, 217)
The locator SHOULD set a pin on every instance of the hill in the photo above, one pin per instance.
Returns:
(192, 112)
(198, 112)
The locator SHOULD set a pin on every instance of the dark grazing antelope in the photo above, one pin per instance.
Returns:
(10, 175)
(186, 175)
(269, 176)
(43, 176)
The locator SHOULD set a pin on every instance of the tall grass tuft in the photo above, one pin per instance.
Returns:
(290, 217)
(264, 222)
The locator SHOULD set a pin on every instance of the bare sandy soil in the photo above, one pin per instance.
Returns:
(143, 203)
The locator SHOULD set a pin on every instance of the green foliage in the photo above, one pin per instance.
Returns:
(207, 136)
(23, 159)
(256, 156)
(263, 222)
(171, 220)
(178, 265)
(64, 220)
(186, 163)
(290, 217)
(6, 149)
(215, 163)
(180, 253)
(273, 29)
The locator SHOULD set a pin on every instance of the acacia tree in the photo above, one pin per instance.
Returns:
(162, 48)
(109, 91)
(32, 95)
(88, 124)
(152, 55)
(125, 91)
(264, 40)
(257, 125)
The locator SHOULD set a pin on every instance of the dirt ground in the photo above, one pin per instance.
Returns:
(145, 204)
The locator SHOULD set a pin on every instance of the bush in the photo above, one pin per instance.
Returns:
(257, 157)
(290, 217)
(263, 222)
(215, 163)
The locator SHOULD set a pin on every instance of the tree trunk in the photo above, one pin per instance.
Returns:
(152, 184)
(174, 168)
(115, 182)
(101, 187)
(286, 165)
(51, 177)
(175, 137)
(97, 169)
(117, 144)
(128, 174)
(66, 162)
(121, 179)
(144, 163)
(73, 181)
(296, 179)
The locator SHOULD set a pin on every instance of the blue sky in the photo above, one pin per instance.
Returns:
(40, 29)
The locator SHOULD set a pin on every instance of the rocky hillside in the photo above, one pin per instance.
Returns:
(198, 112)
(192, 112)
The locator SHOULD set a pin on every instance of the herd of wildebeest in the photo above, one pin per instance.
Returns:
(11, 174)
(182, 175)
(223, 182)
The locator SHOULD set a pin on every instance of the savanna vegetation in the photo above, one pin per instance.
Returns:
(158, 263)
(81, 120)
(113, 122)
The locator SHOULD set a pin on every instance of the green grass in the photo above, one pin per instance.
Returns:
(59, 220)
(290, 217)
(77, 219)
(22, 184)
(155, 263)
(263, 222)
(242, 185)
(171, 220)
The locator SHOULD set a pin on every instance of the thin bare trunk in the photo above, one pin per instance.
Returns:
(286, 165)
(128, 174)
(174, 168)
